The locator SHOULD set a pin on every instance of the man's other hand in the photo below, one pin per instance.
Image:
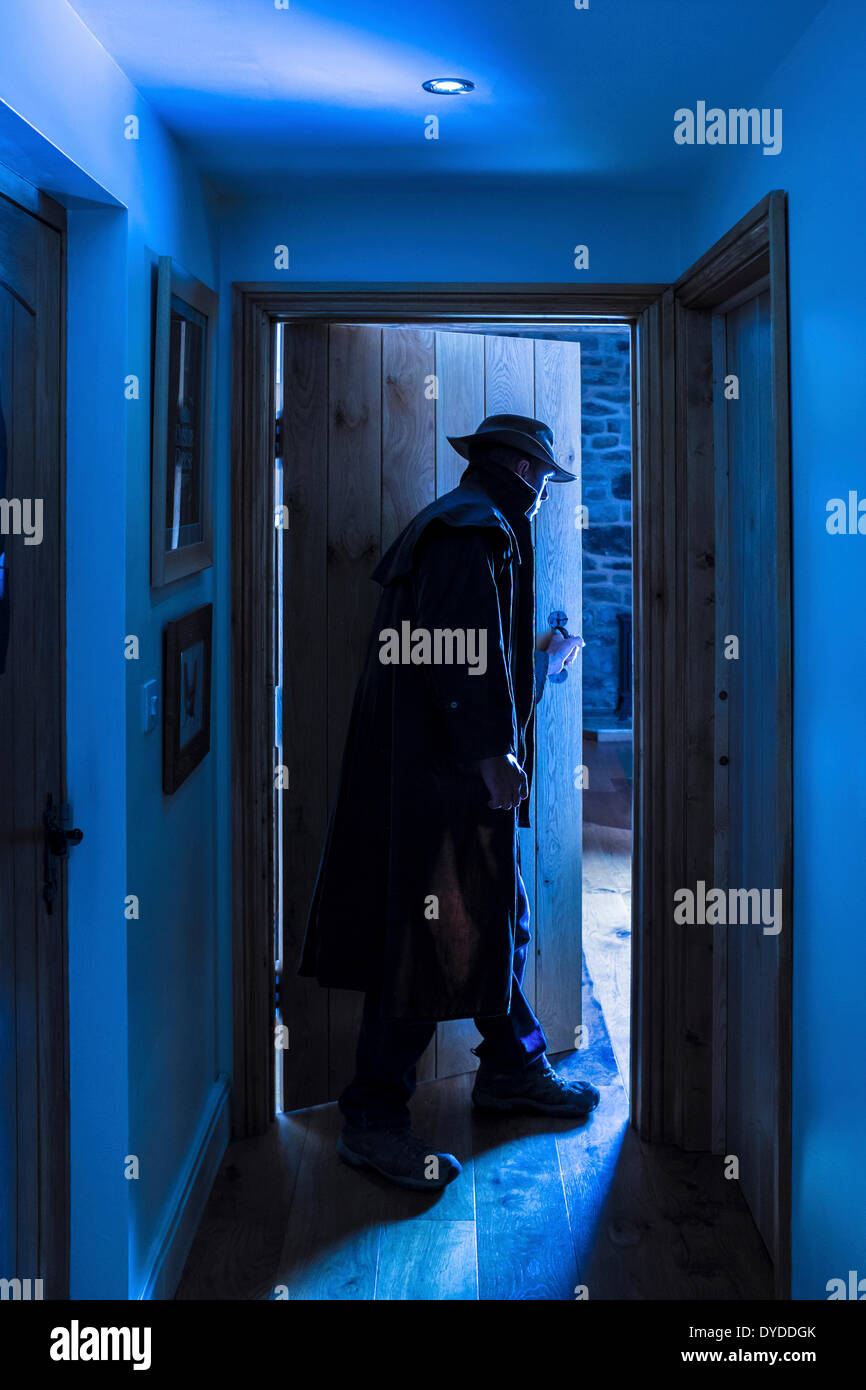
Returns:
(561, 651)
(505, 780)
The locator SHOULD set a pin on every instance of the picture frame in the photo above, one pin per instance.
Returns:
(186, 684)
(184, 361)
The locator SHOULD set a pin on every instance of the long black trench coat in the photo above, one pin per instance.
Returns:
(416, 892)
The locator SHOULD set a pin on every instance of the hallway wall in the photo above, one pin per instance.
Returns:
(819, 88)
(149, 1014)
(474, 230)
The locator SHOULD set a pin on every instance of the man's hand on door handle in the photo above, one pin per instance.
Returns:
(561, 650)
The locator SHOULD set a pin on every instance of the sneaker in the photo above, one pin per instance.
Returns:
(399, 1155)
(537, 1088)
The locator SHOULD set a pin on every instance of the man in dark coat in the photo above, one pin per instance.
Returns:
(419, 900)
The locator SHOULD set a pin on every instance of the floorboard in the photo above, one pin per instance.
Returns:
(588, 1154)
(434, 1260)
(330, 1248)
(525, 1250)
(542, 1206)
(607, 851)
(238, 1243)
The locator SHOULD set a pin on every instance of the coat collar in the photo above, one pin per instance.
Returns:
(514, 497)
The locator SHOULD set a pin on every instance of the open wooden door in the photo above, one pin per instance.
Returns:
(751, 758)
(713, 751)
(34, 1094)
(366, 415)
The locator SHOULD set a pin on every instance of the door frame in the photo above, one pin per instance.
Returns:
(753, 257)
(678, 1054)
(255, 309)
(52, 982)
(672, 1045)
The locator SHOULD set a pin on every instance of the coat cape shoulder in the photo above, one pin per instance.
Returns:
(461, 507)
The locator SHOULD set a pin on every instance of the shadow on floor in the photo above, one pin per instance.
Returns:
(543, 1209)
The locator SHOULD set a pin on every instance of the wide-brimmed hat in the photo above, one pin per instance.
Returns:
(520, 432)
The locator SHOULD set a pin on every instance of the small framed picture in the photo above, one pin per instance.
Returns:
(186, 668)
(184, 356)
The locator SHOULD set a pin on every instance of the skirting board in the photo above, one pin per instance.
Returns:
(192, 1190)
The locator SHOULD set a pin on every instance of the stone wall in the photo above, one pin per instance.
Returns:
(606, 469)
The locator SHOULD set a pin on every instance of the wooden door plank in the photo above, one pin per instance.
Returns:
(765, 615)
(697, 530)
(408, 427)
(753, 959)
(460, 406)
(353, 549)
(756, 1115)
(721, 775)
(737, 1021)
(304, 1004)
(559, 718)
(509, 376)
(655, 717)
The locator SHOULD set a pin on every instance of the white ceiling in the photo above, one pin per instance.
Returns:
(258, 94)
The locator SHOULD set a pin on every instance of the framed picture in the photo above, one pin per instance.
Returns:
(184, 356)
(186, 675)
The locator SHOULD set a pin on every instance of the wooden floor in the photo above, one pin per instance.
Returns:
(542, 1207)
(607, 853)
(607, 796)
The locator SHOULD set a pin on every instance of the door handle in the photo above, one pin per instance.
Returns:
(557, 620)
(59, 835)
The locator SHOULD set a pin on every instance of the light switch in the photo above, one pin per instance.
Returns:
(149, 706)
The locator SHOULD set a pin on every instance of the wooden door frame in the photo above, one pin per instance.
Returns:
(677, 1053)
(53, 1159)
(255, 309)
(672, 578)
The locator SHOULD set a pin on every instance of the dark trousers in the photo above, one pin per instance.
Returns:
(389, 1048)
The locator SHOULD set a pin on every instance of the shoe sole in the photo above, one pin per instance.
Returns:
(416, 1184)
(537, 1107)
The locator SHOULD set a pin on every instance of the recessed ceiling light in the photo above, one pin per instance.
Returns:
(448, 86)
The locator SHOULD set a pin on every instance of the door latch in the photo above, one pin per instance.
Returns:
(59, 835)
